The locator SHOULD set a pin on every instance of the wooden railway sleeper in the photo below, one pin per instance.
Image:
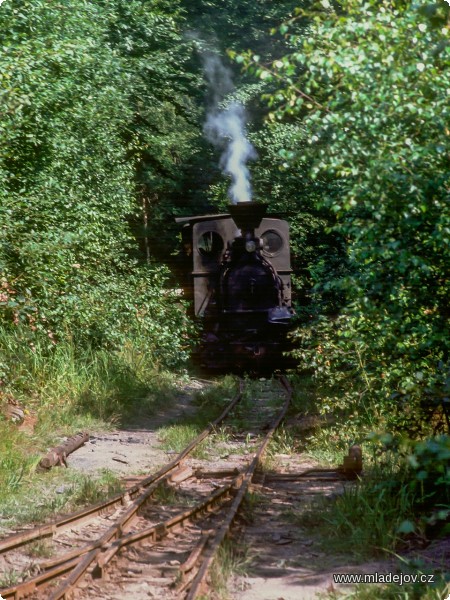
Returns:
(77, 567)
(159, 531)
(199, 583)
(123, 499)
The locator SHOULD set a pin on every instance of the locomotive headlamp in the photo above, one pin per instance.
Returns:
(250, 246)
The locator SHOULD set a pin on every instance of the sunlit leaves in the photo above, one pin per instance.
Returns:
(369, 84)
(86, 91)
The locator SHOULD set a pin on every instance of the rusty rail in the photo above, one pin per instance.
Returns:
(199, 581)
(98, 554)
(86, 514)
(71, 560)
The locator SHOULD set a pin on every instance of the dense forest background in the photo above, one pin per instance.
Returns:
(102, 106)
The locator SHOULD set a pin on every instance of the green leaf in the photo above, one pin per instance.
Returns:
(406, 527)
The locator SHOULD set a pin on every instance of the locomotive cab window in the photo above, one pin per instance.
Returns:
(210, 244)
(272, 242)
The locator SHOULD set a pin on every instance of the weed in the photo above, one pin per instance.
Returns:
(72, 386)
(304, 398)
(88, 490)
(251, 501)
(40, 549)
(17, 460)
(222, 435)
(364, 520)
(174, 438)
(166, 494)
(62, 490)
(9, 578)
(70, 389)
(268, 463)
(282, 442)
(231, 559)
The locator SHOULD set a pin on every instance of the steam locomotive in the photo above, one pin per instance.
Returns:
(240, 286)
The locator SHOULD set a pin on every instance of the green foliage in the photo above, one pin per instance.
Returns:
(60, 490)
(73, 387)
(88, 93)
(317, 252)
(368, 83)
(232, 559)
(87, 490)
(16, 458)
(69, 390)
(175, 437)
(404, 494)
(424, 474)
(9, 578)
(238, 24)
(209, 403)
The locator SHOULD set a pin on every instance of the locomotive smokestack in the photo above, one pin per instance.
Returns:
(248, 215)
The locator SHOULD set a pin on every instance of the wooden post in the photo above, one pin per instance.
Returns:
(353, 461)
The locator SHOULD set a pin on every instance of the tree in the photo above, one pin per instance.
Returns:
(72, 136)
(369, 84)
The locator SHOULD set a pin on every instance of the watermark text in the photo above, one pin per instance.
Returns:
(398, 578)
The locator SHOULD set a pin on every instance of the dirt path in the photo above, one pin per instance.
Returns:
(287, 562)
(136, 448)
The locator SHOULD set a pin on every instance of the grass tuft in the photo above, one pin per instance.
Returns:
(364, 520)
(40, 549)
(9, 578)
(60, 490)
(232, 559)
(174, 438)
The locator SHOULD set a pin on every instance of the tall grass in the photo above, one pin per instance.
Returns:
(68, 389)
(64, 382)
(17, 458)
(364, 520)
(233, 558)
(41, 497)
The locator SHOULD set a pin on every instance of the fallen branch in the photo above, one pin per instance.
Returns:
(57, 456)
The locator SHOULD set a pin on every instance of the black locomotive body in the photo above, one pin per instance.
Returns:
(240, 285)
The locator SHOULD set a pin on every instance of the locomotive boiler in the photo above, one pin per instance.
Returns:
(240, 286)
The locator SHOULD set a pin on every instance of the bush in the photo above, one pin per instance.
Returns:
(73, 138)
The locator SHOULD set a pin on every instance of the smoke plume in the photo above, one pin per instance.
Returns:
(225, 128)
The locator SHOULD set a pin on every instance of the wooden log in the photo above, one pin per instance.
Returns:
(57, 456)
(200, 474)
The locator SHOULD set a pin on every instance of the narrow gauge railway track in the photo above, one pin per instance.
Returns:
(201, 529)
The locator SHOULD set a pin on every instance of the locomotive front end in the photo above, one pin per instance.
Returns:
(241, 286)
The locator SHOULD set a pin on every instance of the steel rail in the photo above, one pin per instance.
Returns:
(160, 530)
(86, 514)
(91, 550)
(22, 590)
(72, 558)
(156, 532)
(107, 549)
(199, 581)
